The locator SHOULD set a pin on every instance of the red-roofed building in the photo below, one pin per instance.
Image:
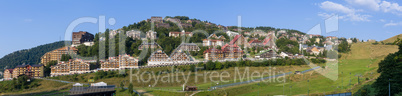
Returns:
(239, 40)
(255, 43)
(232, 51)
(213, 54)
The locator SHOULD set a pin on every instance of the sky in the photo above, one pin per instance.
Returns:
(25, 23)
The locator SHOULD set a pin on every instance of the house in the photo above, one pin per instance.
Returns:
(213, 40)
(135, 34)
(231, 33)
(188, 47)
(159, 58)
(315, 50)
(266, 54)
(8, 74)
(56, 54)
(151, 34)
(259, 33)
(179, 34)
(285, 54)
(232, 52)
(213, 54)
(240, 40)
(178, 56)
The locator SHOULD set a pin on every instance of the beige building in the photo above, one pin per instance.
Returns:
(188, 47)
(78, 66)
(148, 45)
(56, 54)
(60, 69)
(159, 58)
(179, 34)
(213, 54)
(120, 62)
(8, 74)
(178, 56)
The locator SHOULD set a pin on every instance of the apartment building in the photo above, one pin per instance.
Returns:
(56, 54)
(22, 70)
(77, 66)
(81, 37)
(239, 40)
(62, 68)
(213, 54)
(120, 62)
(232, 52)
(159, 58)
(178, 56)
(37, 71)
(188, 47)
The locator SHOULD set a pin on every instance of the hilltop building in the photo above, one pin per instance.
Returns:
(56, 54)
(81, 37)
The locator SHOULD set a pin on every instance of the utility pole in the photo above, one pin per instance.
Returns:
(308, 88)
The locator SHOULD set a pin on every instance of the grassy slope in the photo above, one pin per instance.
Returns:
(363, 59)
(392, 39)
(44, 87)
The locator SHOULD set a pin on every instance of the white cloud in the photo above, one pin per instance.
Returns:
(391, 7)
(367, 4)
(382, 20)
(348, 13)
(393, 24)
(331, 6)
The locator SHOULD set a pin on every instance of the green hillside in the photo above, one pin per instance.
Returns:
(28, 56)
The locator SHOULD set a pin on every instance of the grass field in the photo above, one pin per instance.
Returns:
(392, 39)
(362, 60)
(45, 87)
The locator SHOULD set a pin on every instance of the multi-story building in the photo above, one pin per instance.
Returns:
(232, 52)
(148, 45)
(120, 62)
(178, 56)
(135, 34)
(159, 58)
(213, 54)
(188, 47)
(37, 71)
(239, 40)
(22, 70)
(56, 54)
(266, 54)
(112, 33)
(255, 43)
(156, 19)
(62, 68)
(77, 66)
(179, 34)
(81, 37)
(151, 34)
(8, 74)
(213, 40)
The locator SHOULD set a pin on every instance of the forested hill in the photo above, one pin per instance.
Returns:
(28, 56)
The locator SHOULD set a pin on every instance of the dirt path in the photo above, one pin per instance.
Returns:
(144, 93)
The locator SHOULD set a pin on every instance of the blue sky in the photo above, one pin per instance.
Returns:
(25, 24)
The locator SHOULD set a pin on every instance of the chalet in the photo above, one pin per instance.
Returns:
(213, 54)
(240, 40)
(151, 34)
(178, 56)
(232, 52)
(213, 40)
(120, 62)
(255, 43)
(159, 58)
(8, 74)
